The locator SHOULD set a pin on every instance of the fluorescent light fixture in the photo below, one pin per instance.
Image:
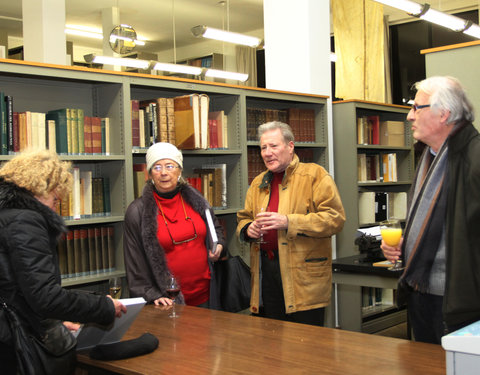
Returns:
(131, 63)
(242, 77)
(435, 16)
(84, 33)
(405, 5)
(226, 36)
(178, 68)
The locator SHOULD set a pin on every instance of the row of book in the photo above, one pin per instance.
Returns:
(376, 206)
(210, 180)
(257, 166)
(86, 251)
(90, 197)
(375, 299)
(377, 167)
(301, 120)
(372, 131)
(184, 121)
(66, 131)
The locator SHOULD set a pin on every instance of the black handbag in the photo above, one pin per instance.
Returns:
(53, 353)
(233, 276)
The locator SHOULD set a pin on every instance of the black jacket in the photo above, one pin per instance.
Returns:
(461, 304)
(29, 271)
(145, 261)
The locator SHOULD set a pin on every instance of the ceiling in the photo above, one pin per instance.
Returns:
(155, 19)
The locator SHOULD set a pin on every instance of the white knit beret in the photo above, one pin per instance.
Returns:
(163, 150)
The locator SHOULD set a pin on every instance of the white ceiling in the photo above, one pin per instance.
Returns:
(154, 19)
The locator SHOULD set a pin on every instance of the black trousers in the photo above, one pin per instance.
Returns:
(425, 315)
(273, 300)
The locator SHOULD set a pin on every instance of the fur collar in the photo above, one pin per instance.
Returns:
(15, 197)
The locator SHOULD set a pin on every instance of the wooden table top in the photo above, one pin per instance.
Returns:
(203, 341)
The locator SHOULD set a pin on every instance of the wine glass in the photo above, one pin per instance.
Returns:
(391, 232)
(260, 239)
(173, 290)
(115, 287)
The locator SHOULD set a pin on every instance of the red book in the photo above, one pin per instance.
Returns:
(96, 135)
(87, 134)
(16, 139)
(375, 125)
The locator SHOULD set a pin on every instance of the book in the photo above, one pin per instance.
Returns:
(397, 205)
(98, 250)
(111, 248)
(187, 121)
(86, 176)
(87, 134)
(219, 184)
(76, 192)
(366, 207)
(81, 130)
(141, 127)
(220, 128)
(106, 125)
(171, 132)
(96, 135)
(61, 133)
(62, 256)
(70, 254)
(77, 259)
(107, 207)
(74, 131)
(104, 240)
(204, 109)
(97, 196)
(162, 119)
(140, 176)
(52, 141)
(90, 334)
(374, 122)
(9, 122)
(84, 252)
(380, 206)
(92, 260)
(3, 126)
(135, 107)
(16, 135)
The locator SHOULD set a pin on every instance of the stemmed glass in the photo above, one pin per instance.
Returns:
(260, 239)
(391, 232)
(115, 287)
(173, 289)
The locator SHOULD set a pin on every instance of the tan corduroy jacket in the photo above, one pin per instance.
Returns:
(310, 199)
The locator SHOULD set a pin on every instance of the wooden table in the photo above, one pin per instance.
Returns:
(203, 341)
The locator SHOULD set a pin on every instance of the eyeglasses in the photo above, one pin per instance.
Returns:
(187, 218)
(415, 107)
(168, 168)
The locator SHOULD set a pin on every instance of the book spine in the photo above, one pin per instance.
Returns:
(9, 120)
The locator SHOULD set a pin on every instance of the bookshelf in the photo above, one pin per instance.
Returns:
(44, 87)
(346, 151)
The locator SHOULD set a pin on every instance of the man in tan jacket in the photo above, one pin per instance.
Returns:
(291, 211)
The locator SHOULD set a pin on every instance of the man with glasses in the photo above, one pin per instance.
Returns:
(441, 243)
(166, 234)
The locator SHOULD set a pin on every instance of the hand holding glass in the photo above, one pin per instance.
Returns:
(173, 290)
(260, 239)
(391, 232)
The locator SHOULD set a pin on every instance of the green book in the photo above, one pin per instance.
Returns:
(61, 133)
(81, 131)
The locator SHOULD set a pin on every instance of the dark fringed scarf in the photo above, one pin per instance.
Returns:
(426, 219)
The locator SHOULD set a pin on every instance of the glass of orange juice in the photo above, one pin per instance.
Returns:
(391, 231)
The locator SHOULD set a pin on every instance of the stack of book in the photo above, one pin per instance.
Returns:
(86, 251)
(377, 167)
(211, 181)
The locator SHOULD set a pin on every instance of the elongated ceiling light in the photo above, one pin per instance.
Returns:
(214, 73)
(435, 16)
(177, 68)
(90, 32)
(119, 61)
(225, 36)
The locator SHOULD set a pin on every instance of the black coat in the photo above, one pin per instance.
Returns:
(145, 261)
(29, 271)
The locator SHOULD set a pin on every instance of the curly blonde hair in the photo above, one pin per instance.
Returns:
(40, 172)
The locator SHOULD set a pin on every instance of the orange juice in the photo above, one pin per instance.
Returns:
(391, 236)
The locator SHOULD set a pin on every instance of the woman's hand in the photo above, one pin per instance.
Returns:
(119, 307)
(215, 253)
(392, 253)
(163, 301)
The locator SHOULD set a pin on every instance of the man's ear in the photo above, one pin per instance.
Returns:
(444, 115)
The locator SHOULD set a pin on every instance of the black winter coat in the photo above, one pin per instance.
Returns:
(29, 271)
(145, 261)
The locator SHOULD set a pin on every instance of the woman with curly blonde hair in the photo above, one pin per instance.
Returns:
(30, 186)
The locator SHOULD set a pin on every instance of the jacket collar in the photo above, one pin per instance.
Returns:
(267, 178)
(15, 197)
(461, 136)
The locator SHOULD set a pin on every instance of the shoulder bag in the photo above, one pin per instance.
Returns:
(233, 276)
(53, 353)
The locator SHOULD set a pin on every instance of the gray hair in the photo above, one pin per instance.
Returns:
(448, 93)
(285, 129)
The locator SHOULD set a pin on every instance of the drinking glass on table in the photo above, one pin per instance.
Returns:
(115, 287)
(391, 231)
(173, 290)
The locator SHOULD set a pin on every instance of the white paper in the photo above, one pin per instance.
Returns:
(90, 334)
(212, 230)
(371, 231)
